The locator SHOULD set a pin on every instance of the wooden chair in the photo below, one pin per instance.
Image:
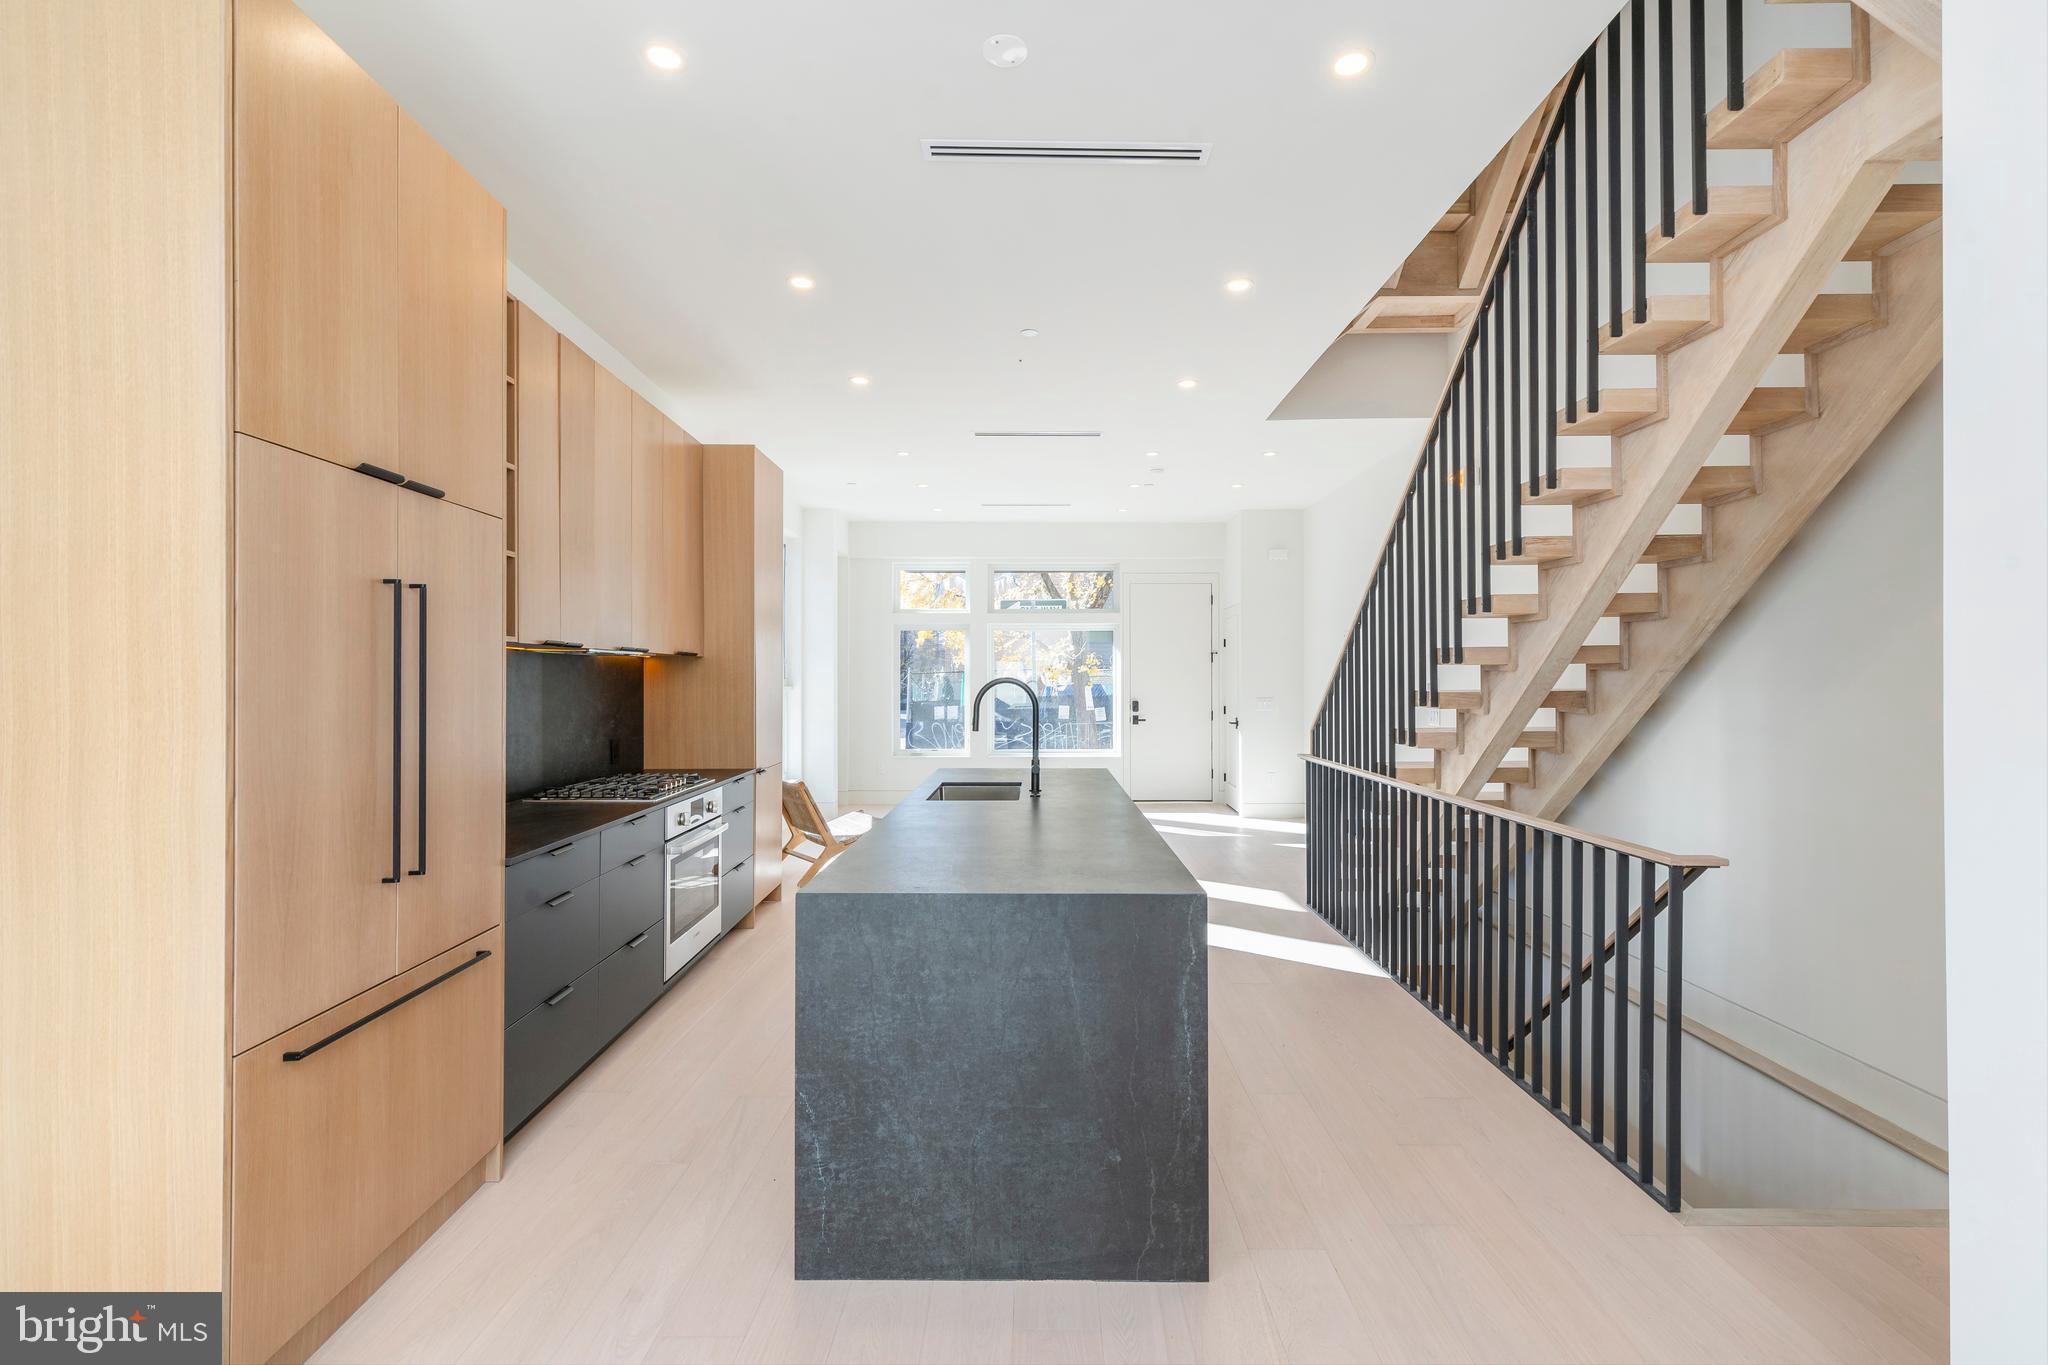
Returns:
(807, 824)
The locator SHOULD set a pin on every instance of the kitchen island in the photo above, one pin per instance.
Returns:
(1002, 1042)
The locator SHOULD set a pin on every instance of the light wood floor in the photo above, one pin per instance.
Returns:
(1378, 1193)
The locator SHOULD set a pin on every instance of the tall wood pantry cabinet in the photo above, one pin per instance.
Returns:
(257, 495)
(723, 708)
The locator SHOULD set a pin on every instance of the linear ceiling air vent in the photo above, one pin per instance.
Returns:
(1043, 435)
(1013, 505)
(1128, 153)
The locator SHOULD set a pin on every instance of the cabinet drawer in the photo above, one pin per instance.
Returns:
(736, 845)
(629, 980)
(739, 793)
(548, 1046)
(629, 898)
(631, 838)
(339, 1151)
(547, 875)
(735, 894)
(551, 944)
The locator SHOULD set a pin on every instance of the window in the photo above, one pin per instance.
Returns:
(931, 691)
(1074, 674)
(931, 590)
(1055, 590)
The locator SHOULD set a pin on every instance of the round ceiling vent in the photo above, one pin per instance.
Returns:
(1005, 49)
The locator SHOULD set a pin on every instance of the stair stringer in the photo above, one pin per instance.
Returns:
(1863, 383)
(1831, 179)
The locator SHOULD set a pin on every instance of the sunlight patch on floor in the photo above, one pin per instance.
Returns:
(1201, 833)
(1253, 895)
(1225, 820)
(1341, 957)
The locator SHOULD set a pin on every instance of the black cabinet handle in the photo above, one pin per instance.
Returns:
(415, 486)
(638, 819)
(635, 862)
(379, 472)
(565, 896)
(760, 771)
(421, 870)
(558, 852)
(397, 717)
(637, 939)
(559, 996)
(376, 1014)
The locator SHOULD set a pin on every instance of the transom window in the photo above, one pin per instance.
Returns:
(1074, 673)
(1053, 590)
(931, 590)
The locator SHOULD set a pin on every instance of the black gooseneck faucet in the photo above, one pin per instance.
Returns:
(975, 724)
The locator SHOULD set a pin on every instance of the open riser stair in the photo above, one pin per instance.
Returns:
(1721, 281)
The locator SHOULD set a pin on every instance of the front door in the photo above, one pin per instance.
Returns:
(1233, 731)
(1169, 667)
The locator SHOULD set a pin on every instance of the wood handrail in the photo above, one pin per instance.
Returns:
(1642, 851)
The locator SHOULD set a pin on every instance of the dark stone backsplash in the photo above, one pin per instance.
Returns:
(568, 717)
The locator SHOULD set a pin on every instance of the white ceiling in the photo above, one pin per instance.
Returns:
(667, 212)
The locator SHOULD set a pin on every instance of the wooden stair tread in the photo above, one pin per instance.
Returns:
(1769, 408)
(1718, 483)
(1733, 211)
(1437, 737)
(1620, 410)
(1627, 604)
(1575, 485)
(1831, 318)
(1507, 606)
(1598, 656)
(1576, 699)
(1671, 320)
(1535, 550)
(1667, 549)
(1484, 656)
(1538, 739)
(1904, 209)
(1421, 774)
(1509, 775)
(1783, 97)
(1449, 700)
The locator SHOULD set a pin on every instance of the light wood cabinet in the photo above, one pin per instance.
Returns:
(767, 832)
(451, 326)
(653, 621)
(315, 760)
(338, 1152)
(316, 246)
(685, 515)
(452, 837)
(537, 466)
(612, 442)
(578, 496)
(723, 709)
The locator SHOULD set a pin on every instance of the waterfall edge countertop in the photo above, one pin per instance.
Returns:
(1083, 835)
(1002, 1044)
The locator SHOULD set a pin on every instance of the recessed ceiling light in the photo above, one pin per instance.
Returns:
(902, 454)
(1187, 383)
(1028, 332)
(938, 509)
(921, 485)
(1135, 485)
(1352, 64)
(1238, 285)
(1151, 454)
(1237, 485)
(1269, 454)
(859, 381)
(1004, 50)
(1121, 510)
(1157, 469)
(801, 282)
(664, 58)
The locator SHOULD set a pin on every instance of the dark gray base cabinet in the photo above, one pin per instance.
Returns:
(630, 980)
(551, 1044)
(735, 895)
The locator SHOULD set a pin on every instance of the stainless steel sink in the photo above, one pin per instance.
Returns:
(976, 791)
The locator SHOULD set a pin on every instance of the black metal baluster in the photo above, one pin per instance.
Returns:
(1621, 862)
(1572, 966)
(1736, 92)
(1531, 1019)
(1597, 983)
(1674, 1036)
(1489, 530)
(1555, 969)
(1699, 106)
(1639, 155)
(1593, 234)
(1550, 332)
(1667, 138)
(1570, 248)
(1614, 174)
(1520, 891)
(1646, 1015)
(1503, 881)
(1524, 338)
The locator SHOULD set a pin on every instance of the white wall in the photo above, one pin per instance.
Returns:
(1264, 558)
(1995, 649)
(1803, 744)
(1341, 538)
(816, 564)
(871, 771)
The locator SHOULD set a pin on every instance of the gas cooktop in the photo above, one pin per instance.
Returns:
(648, 786)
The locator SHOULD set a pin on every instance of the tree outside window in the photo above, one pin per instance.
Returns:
(931, 590)
(931, 691)
(1054, 589)
(1074, 674)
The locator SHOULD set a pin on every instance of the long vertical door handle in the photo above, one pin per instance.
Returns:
(421, 870)
(397, 716)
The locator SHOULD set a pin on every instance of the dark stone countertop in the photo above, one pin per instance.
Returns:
(1084, 835)
(532, 826)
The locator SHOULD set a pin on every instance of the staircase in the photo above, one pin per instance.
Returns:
(1696, 318)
